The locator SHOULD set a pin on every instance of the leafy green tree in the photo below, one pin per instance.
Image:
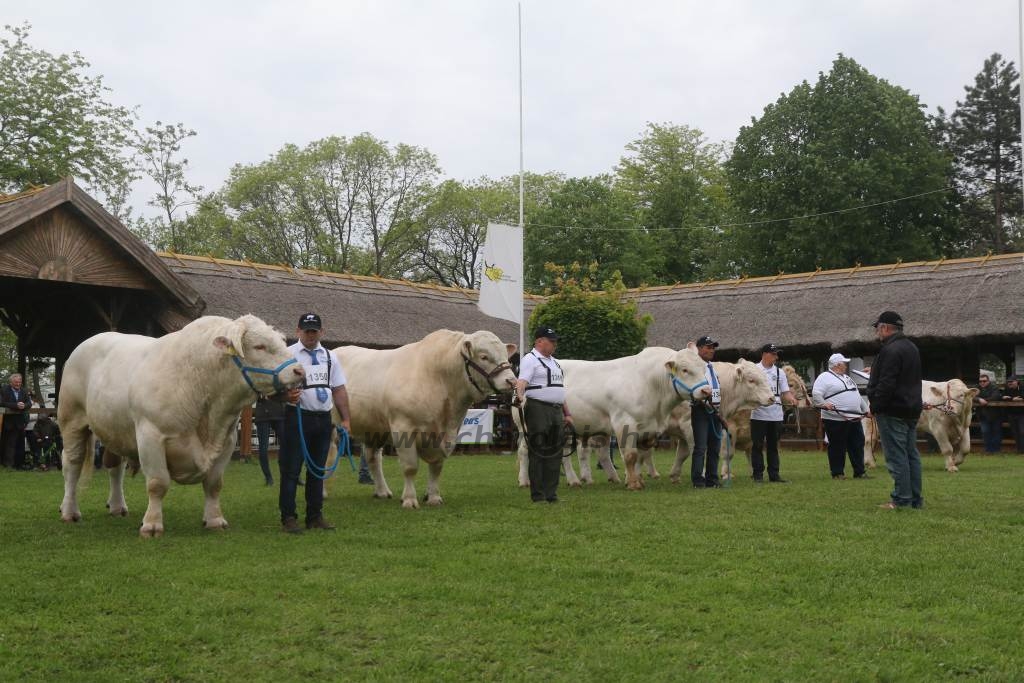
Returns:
(158, 149)
(849, 141)
(593, 324)
(587, 220)
(677, 187)
(983, 135)
(56, 122)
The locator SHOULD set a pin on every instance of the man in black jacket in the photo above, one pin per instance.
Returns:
(894, 391)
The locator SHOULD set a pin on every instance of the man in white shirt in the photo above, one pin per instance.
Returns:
(323, 390)
(766, 422)
(707, 430)
(545, 414)
(842, 408)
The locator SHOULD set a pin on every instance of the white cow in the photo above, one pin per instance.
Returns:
(744, 386)
(415, 397)
(630, 398)
(948, 407)
(171, 405)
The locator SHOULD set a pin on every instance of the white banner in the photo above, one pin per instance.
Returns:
(477, 426)
(501, 287)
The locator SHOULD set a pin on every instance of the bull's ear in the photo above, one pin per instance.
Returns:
(971, 393)
(671, 366)
(468, 345)
(511, 348)
(232, 341)
(936, 391)
(691, 345)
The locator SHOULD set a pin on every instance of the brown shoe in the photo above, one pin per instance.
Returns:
(320, 523)
(889, 506)
(291, 526)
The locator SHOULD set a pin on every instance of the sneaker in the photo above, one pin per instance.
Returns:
(291, 526)
(553, 500)
(270, 481)
(365, 479)
(839, 476)
(320, 523)
(758, 480)
(712, 485)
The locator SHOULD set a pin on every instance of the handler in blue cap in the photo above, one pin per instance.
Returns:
(545, 414)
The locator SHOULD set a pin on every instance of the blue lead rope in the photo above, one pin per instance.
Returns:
(344, 446)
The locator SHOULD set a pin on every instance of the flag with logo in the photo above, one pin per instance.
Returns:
(501, 287)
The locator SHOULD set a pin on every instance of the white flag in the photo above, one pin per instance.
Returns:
(501, 287)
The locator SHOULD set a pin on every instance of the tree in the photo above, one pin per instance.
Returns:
(392, 184)
(593, 324)
(588, 220)
(158, 151)
(850, 141)
(677, 186)
(983, 135)
(56, 122)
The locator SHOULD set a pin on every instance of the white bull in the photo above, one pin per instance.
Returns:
(630, 398)
(171, 405)
(948, 407)
(415, 398)
(744, 387)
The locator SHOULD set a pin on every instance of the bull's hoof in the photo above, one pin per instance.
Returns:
(383, 496)
(655, 475)
(73, 517)
(151, 530)
(434, 501)
(575, 484)
(953, 468)
(614, 480)
(636, 485)
(216, 524)
(524, 486)
(410, 504)
(118, 512)
(674, 479)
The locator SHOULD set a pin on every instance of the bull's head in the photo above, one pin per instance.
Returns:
(486, 362)
(260, 353)
(753, 383)
(686, 372)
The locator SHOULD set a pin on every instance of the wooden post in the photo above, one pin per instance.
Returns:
(245, 438)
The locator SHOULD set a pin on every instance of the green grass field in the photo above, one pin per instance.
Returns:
(805, 581)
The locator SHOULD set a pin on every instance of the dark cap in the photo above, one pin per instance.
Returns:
(707, 341)
(1013, 378)
(310, 321)
(545, 331)
(770, 348)
(888, 318)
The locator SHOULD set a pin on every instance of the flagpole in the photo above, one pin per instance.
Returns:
(1020, 71)
(522, 228)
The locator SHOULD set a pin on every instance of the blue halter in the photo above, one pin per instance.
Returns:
(275, 373)
(676, 383)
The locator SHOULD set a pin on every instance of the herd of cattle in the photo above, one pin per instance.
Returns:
(170, 406)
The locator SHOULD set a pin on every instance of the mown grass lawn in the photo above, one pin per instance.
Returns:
(805, 581)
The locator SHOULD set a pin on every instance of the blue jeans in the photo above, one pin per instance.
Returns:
(902, 459)
(992, 433)
(707, 441)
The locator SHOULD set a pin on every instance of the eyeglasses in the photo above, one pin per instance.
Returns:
(983, 379)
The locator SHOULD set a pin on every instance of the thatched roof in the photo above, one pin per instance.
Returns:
(944, 301)
(367, 311)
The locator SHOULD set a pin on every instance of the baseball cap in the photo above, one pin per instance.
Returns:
(310, 321)
(545, 331)
(837, 358)
(707, 341)
(1013, 378)
(771, 348)
(888, 318)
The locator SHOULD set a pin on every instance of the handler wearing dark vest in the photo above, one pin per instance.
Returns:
(324, 389)
(545, 414)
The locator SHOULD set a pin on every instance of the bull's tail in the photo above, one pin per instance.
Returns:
(88, 464)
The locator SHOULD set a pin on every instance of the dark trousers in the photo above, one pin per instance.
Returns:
(545, 438)
(1015, 418)
(12, 445)
(992, 432)
(707, 442)
(845, 439)
(764, 435)
(263, 428)
(316, 429)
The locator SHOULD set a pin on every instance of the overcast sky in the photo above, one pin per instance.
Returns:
(251, 76)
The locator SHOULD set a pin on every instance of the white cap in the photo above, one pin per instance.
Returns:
(837, 358)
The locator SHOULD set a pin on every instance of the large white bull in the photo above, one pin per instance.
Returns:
(948, 407)
(744, 387)
(415, 397)
(170, 404)
(629, 398)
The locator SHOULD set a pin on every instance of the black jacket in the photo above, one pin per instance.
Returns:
(15, 419)
(895, 384)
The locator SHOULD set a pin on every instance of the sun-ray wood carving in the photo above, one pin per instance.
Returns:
(56, 246)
